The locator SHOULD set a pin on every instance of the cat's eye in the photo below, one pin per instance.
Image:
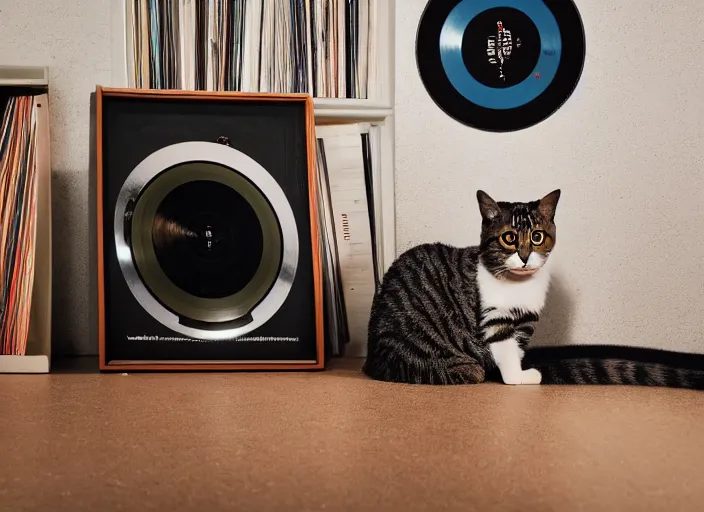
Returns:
(537, 237)
(509, 238)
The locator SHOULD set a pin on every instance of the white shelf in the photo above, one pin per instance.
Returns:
(24, 364)
(38, 349)
(343, 109)
(381, 72)
(350, 103)
(378, 109)
(354, 110)
(24, 76)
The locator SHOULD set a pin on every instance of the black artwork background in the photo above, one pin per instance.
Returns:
(523, 59)
(272, 133)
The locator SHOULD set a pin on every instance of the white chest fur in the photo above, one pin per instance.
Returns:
(506, 294)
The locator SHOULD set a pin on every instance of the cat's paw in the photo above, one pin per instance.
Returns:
(531, 376)
(525, 377)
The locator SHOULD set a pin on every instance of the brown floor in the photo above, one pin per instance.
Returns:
(337, 441)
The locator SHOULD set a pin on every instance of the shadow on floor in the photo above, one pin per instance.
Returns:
(345, 367)
(75, 365)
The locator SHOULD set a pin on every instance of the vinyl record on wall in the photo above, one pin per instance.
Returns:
(500, 65)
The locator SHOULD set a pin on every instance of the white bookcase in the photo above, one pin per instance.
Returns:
(38, 353)
(377, 109)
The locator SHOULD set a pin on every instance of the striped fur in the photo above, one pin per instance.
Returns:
(454, 315)
(427, 325)
(621, 365)
(425, 320)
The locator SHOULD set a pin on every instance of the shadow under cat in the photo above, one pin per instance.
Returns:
(556, 319)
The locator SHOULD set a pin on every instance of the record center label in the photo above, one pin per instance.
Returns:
(501, 47)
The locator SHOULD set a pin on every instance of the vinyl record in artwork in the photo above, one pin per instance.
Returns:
(500, 65)
(206, 240)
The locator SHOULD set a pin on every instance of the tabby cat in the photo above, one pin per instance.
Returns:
(450, 315)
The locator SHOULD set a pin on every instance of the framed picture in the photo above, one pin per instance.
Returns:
(207, 231)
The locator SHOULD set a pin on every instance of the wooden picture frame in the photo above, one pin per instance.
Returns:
(197, 365)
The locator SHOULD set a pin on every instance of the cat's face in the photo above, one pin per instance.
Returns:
(517, 238)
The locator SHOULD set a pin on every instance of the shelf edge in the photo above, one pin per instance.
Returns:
(349, 103)
(377, 114)
(24, 76)
(24, 364)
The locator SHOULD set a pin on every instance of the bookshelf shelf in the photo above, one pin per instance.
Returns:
(354, 110)
(24, 76)
(378, 109)
(33, 81)
(350, 103)
(25, 364)
(342, 113)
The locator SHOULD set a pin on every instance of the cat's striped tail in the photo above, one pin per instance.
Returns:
(608, 364)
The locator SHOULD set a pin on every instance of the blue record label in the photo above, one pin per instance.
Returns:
(500, 65)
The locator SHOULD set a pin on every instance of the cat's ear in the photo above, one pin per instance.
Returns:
(548, 205)
(487, 206)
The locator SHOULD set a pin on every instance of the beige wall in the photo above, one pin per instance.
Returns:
(73, 39)
(627, 151)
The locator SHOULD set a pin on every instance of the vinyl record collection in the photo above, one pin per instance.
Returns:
(348, 163)
(18, 188)
(319, 47)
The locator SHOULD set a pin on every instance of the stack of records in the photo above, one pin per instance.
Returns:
(18, 189)
(319, 47)
(348, 162)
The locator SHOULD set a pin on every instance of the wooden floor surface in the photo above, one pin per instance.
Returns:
(75, 441)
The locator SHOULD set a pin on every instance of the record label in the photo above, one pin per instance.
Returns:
(500, 65)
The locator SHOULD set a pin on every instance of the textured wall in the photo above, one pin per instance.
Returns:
(627, 152)
(73, 39)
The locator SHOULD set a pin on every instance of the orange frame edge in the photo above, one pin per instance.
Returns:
(313, 209)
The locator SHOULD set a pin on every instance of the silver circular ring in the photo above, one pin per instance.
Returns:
(181, 153)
